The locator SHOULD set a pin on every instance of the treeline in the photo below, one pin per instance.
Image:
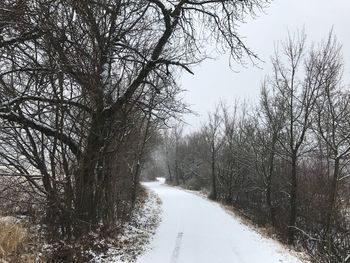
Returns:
(75, 125)
(285, 162)
(84, 87)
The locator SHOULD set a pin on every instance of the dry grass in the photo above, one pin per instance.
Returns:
(18, 244)
(12, 238)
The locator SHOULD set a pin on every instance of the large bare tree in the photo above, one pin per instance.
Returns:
(73, 74)
(299, 77)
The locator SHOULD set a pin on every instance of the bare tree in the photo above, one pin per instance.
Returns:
(333, 127)
(73, 75)
(268, 130)
(286, 163)
(214, 139)
(298, 96)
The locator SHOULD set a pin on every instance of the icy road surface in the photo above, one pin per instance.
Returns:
(196, 230)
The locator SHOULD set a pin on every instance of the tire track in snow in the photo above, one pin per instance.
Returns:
(238, 256)
(176, 252)
(221, 237)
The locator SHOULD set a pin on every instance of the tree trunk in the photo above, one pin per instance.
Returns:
(168, 164)
(213, 193)
(269, 184)
(169, 171)
(332, 199)
(269, 202)
(136, 180)
(177, 181)
(293, 200)
(86, 176)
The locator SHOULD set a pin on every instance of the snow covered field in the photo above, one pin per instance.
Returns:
(196, 230)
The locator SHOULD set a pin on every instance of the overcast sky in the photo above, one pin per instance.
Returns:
(214, 80)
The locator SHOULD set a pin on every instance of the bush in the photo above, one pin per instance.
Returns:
(12, 236)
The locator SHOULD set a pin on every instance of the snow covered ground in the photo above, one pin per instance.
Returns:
(135, 235)
(196, 230)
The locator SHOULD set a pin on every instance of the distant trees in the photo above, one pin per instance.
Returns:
(332, 126)
(84, 86)
(299, 82)
(267, 133)
(214, 140)
(286, 162)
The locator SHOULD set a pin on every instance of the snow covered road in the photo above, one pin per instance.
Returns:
(196, 230)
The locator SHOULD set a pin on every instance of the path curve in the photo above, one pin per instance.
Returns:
(196, 230)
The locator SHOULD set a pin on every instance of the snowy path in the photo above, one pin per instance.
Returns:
(195, 230)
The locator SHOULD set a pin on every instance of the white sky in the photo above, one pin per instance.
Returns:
(214, 80)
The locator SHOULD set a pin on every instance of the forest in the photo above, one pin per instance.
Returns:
(90, 104)
(284, 163)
